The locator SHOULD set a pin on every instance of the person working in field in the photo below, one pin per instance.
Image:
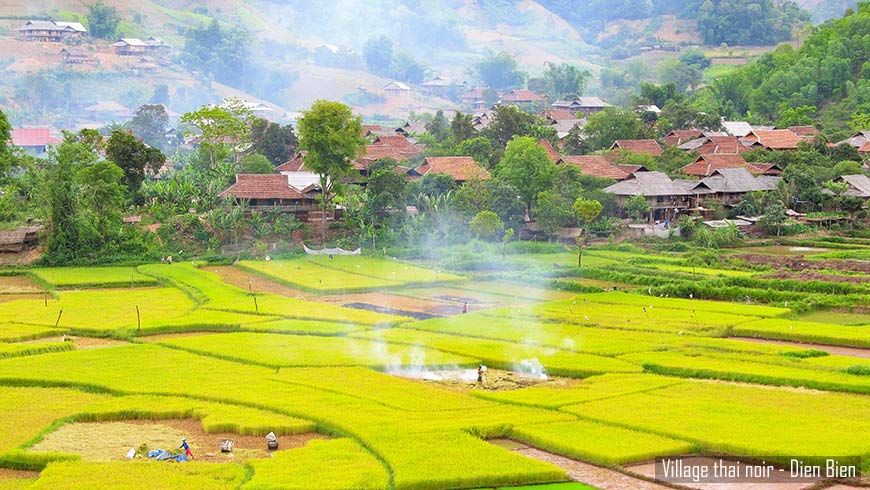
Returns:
(481, 374)
(184, 445)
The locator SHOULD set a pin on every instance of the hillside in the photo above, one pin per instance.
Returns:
(823, 10)
(827, 77)
(296, 52)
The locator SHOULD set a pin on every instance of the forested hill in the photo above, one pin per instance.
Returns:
(828, 77)
(745, 22)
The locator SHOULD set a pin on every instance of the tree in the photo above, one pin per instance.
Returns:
(102, 193)
(562, 81)
(224, 127)
(509, 121)
(386, 189)
(527, 167)
(462, 127)
(437, 127)
(150, 123)
(480, 149)
(219, 52)
(5, 151)
(774, 217)
(405, 68)
(637, 207)
(273, 141)
(63, 204)
(256, 164)
(487, 225)
(588, 210)
(378, 54)
(795, 116)
(499, 71)
(103, 19)
(848, 167)
(611, 124)
(134, 157)
(331, 135)
(553, 211)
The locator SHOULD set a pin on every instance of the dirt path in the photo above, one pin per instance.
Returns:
(583, 472)
(830, 349)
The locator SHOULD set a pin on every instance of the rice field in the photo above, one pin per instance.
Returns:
(384, 401)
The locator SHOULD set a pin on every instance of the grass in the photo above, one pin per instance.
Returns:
(13, 332)
(600, 444)
(329, 465)
(91, 277)
(30, 349)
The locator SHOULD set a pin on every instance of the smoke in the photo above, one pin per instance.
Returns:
(531, 368)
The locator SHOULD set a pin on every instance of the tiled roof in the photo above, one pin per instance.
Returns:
(707, 164)
(33, 137)
(759, 168)
(680, 136)
(804, 131)
(859, 183)
(737, 128)
(865, 148)
(776, 139)
(734, 180)
(649, 184)
(295, 164)
(707, 145)
(558, 114)
(522, 96)
(460, 168)
(551, 152)
(262, 186)
(596, 166)
(638, 146)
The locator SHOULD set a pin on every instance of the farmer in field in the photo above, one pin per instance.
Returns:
(184, 445)
(465, 308)
(481, 374)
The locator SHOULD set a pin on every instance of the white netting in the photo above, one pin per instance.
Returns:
(331, 251)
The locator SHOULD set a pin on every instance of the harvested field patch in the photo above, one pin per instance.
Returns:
(18, 284)
(398, 303)
(249, 281)
(6, 298)
(6, 473)
(800, 263)
(389, 311)
(110, 441)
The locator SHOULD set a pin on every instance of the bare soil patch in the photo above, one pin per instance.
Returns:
(496, 379)
(81, 343)
(596, 476)
(18, 284)
(5, 298)
(8, 474)
(253, 282)
(830, 349)
(110, 441)
(800, 263)
(817, 276)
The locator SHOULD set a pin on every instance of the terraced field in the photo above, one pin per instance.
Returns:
(365, 397)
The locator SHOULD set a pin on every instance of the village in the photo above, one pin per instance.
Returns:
(441, 245)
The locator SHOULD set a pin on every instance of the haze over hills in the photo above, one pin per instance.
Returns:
(300, 51)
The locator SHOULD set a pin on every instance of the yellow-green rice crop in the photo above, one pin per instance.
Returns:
(507, 355)
(215, 417)
(305, 350)
(303, 327)
(599, 443)
(744, 420)
(134, 475)
(384, 269)
(29, 349)
(91, 277)
(16, 332)
(328, 465)
(589, 389)
(207, 289)
(747, 370)
(616, 298)
(25, 412)
(821, 333)
(307, 275)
